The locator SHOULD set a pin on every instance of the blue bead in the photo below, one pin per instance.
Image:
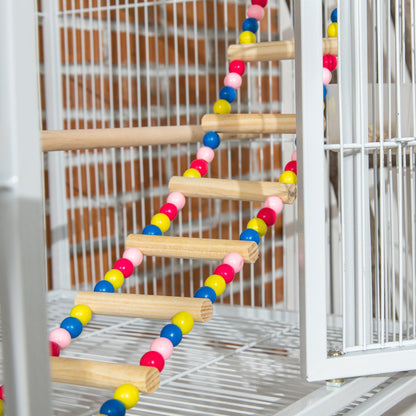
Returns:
(334, 16)
(152, 230)
(104, 286)
(113, 407)
(250, 235)
(206, 292)
(325, 91)
(173, 333)
(251, 25)
(211, 139)
(72, 325)
(228, 93)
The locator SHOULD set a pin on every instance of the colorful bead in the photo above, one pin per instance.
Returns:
(237, 66)
(104, 286)
(169, 210)
(256, 12)
(259, 225)
(54, 350)
(113, 407)
(177, 199)
(325, 91)
(229, 94)
(246, 37)
(261, 3)
(233, 80)
(329, 61)
(152, 229)
(2, 392)
(163, 346)
(173, 333)
(250, 235)
(275, 203)
(333, 30)
(125, 266)
(61, 337)
(206, 292)
(326, 76)
(153, 359)
(294, 155)
(235, 260)
(288, 177)
(115, 277)
(250, 25)
(205, 152)
(268, 215)
(222, 107)
(191, 173)
(226, 271)
(1, 407)
(127, 394)
(215, 282)
(184, 321)
(162, 221)
(211, 139)
(134, 255)
(334, 15)
(72, 325)
(292, 166)
(200, 165)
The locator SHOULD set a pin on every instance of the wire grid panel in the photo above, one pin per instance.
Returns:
(126, 64)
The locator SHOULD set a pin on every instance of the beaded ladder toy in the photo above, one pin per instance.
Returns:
(199, 308)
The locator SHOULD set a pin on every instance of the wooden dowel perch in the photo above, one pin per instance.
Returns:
(232, 189)
(250, 123)
(192, 248)
(145, 306)
(103, 375)
(274, 51)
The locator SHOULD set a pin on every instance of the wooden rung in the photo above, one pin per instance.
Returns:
(232, 189)
(250, 123)
(192, 248)
(145, 306)
(274, 51)
(103, 375)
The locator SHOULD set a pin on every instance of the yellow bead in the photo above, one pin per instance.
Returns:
(333, 30)
(162, 221)
(115, 277)
(222, 107)
(82, 312)
(1, 407)
(259, 225)
(288, 177)
(247, 37)
(184, 321)
(191, 173)
(215, 282)
(127, 394)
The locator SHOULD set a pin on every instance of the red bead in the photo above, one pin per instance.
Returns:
(237, 66)
(200, 165)
(329, 61)
(153, 359)
(268, 215)
(125, 266)
(261, 3)
(292, 166)
(226, 272)
(54, 349)
(2, 392)
(169, 210)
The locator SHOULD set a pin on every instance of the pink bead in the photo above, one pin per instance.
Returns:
(294, 155)
(292, 166)
(163, 346)
(326, 76)
(237, 66)
(226, 271)
(2, 392)
(54, 349)
(170, 210)
(134, 255)
(235, 260)
(125, 266)
(177, 199)
(329, 61)
(261, 3)
(275, 203)
(206, 153)
(153, 359)
(233, 80)
(268, 215)
(256, 12)
(200, 165)
(61, 337)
